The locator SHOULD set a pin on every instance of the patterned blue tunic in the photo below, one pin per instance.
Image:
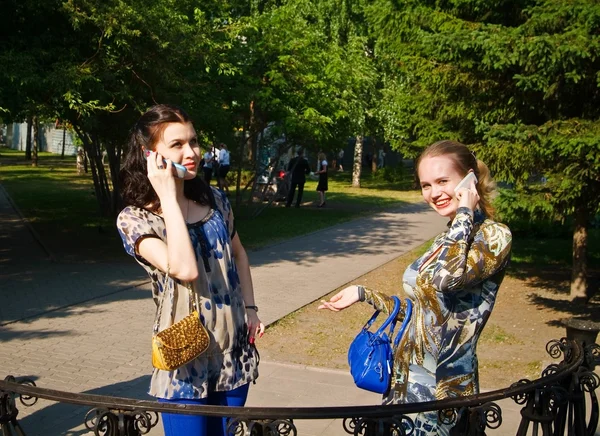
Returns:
(230, 360)
(453, 287)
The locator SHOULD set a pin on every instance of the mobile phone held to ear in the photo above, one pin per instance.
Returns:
(466, 181)
(180, 170)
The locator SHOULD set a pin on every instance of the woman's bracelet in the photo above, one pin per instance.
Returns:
(255, 308)
(361, 293)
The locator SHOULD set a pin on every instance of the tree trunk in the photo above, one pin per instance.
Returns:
(28, 142)
(113, 153)
(36, 143)
(62, 153)
(357, 166)
(257, 166)
(240, 166)
(104, 195)
(253, 150)
(255, 138)
(375, 157)
(580, 235)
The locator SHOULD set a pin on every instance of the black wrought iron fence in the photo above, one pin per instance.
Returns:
(562, 402)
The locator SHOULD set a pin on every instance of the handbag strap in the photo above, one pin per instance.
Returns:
(391, 319)
(407, 316)
(192, 301)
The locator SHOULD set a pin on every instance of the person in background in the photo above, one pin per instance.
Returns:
(453, 286)
(80, 161)
(182, 232)
(216, 165)
(224, 165)
(341, 160)
(297, 168)
(381, 158)
(207, 168)
(323, 185)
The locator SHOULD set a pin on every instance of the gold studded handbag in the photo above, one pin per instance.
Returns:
(183, 341)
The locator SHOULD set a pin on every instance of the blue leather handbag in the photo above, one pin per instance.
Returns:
(370, 355)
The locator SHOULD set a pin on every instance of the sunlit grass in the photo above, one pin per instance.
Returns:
(495, 334)
(60, 204)
(545, 251)
(344, 203)
(63, 208)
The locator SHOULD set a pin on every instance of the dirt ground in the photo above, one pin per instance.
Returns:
(526, 316)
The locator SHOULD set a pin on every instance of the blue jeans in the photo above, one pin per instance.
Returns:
(176, 424)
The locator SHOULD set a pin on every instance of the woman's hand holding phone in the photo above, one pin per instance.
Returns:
(179, 170)
(160, 174)
(466, 191)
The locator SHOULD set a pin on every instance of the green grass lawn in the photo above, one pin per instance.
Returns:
(344, 203)
(60, 204)
(62, 207)
(554, 252)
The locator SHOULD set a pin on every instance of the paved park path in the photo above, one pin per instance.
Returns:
(85, 327)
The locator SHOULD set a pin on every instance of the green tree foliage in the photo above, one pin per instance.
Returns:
(98, 64)
(299, 70)
(518, 80)
(315, 70)
(235, 66)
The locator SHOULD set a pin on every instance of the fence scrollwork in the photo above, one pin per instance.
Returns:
(553, 404)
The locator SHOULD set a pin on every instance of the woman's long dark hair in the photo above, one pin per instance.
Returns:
(136, 189)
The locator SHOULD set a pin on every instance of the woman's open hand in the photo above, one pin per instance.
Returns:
(345, 298)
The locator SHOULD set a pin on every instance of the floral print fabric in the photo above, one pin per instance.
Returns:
(230, 360)
(453, 287)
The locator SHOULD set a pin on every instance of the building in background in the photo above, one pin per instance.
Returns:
(52, 138)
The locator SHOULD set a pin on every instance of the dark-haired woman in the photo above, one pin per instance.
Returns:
(181, 231)
(453, 286)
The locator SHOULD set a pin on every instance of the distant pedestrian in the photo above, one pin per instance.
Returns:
(322, 187)
(298, 168)
(207, 168)
(216, 164)
(224, 166)
(381, 158)
(80, 160)
(341, 160)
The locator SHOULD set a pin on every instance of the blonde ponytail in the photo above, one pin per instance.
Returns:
(486, 188)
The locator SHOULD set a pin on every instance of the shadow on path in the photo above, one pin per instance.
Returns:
(554, 285)
(67, 419)
(387, 230)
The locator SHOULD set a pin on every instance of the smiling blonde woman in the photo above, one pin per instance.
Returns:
(453, 286)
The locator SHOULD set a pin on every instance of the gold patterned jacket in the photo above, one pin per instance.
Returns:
(453, 290)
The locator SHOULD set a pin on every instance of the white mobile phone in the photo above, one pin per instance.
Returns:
(180, 170)
(466, 181)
